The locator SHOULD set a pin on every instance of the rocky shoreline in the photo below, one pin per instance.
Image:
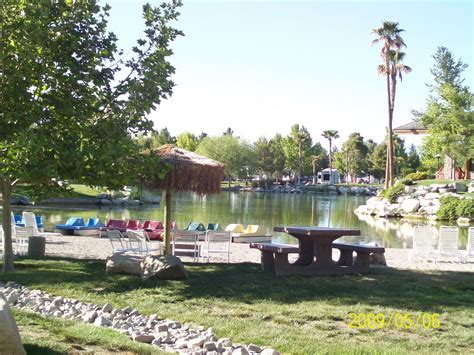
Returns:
(415, 202)
(168, 335)
(310, 189)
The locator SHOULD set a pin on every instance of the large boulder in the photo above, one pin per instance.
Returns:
(163, 267)
(410, 205)
(124, 263)
(10, 341)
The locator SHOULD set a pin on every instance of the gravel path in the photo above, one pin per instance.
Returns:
(100, 248)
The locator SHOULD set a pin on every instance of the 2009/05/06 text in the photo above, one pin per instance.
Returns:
(394, 320)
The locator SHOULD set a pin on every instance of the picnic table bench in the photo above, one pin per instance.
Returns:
(274, 258)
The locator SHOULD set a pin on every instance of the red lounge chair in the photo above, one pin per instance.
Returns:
(134, 224)
(114, 224)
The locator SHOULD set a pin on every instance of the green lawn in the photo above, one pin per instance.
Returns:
(296, 315)
(77, 191)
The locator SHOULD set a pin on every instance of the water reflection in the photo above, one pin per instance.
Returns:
(268, 210)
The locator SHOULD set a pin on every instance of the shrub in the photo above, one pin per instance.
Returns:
(395, 191)
(419, 175)
(254, 184)
(465, 208)
(452, 208)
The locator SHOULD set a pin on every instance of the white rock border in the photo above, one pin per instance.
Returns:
(168, 335)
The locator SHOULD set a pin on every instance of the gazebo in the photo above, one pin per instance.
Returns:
(187, 171)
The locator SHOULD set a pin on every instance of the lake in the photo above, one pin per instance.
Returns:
(266, 209)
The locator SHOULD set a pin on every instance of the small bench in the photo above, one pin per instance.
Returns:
(363, 255)
(274, 255)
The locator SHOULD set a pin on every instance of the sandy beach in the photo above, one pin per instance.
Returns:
(100, 248)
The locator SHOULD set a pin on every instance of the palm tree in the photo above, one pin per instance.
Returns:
(300, 136)
(314, 162)
(330, 134)
(389, 34)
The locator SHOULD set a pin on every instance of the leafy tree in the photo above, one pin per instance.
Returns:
(65, 115)
(412, 161)
(234, 152)
(188, 141)
(264, 156)
(296, 146)
(377, 160)
(449, 113)
(330, 135)
(162, 137)
(278, 153)
(389, 34)
(352, 158)
(228, 132)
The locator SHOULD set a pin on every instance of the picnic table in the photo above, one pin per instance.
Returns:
(315, 252)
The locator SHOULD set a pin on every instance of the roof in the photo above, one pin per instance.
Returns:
(414, 127)
(187, 171)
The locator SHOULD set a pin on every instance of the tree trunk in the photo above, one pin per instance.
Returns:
(389, 163)
(330, 162)
(314, 172)
(7, 226)
(167, 215)
(299, 164)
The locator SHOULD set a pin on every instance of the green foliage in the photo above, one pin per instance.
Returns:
(395, 191)
(449, 113)
(465, 208)
(419, 175)
(447, 209)
(68, 112)
(235, 153)
(188, 141)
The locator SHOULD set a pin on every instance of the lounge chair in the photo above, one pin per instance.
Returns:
(20, 237)
(19, 221)
(448, 243)
(185, 243)
(116, 240)
(421, 242)
(470, 244)
(30, 221)
(217, 242)
(139, 242)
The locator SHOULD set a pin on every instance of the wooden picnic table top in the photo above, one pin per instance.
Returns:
(316, 231)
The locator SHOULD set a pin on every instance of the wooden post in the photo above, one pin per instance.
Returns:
(167, 214)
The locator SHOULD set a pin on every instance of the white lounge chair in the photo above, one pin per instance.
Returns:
(138, 241)
(448, 243)
(218, 242)
(30, 221)
(421, 242)
(470, 244)
(185, 244)
(20, 237)
(116, 240)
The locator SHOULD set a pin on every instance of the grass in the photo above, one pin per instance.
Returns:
(77, 191)
(440, 181)
(296, 315)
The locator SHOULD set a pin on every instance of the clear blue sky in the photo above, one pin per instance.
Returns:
(261, 66)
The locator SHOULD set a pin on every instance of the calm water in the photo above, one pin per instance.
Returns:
(265, 209)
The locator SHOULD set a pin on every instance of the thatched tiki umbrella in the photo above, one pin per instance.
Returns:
(187, 171)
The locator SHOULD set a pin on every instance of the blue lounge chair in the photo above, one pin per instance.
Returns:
(68, 227)
(20, 222)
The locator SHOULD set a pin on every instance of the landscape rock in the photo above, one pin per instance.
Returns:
(10, 341)
(410, 205)
(143, 338)
(163, 267)
(124, 263)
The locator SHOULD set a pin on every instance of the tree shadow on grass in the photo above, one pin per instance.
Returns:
(40, 350)
(246, 283)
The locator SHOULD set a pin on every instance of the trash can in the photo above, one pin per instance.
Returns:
(36, 247)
